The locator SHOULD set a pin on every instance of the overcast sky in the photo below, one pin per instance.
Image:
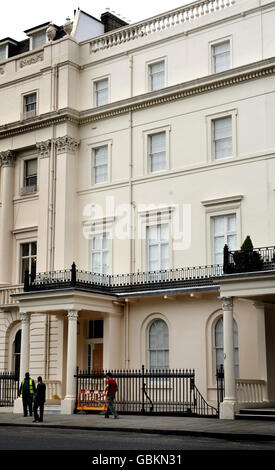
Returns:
(19, 15)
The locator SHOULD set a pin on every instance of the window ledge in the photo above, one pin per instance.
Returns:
(28, 190)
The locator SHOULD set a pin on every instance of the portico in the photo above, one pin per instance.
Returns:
(258, 290)
(72, 308)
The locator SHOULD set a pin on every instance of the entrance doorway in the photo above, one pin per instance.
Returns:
(95, 345)
(95, 356)
(98, 356)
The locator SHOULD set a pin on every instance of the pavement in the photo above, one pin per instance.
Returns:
(202, 427)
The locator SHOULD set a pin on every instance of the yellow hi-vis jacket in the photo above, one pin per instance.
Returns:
(31, 386)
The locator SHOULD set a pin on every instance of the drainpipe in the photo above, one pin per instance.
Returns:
(132, 204)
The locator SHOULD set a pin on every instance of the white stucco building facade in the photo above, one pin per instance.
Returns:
(140, 149)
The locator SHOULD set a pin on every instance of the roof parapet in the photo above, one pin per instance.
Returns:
(161, 22)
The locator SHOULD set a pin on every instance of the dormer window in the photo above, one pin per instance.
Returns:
(38, 40)
(37, 36)
(3, 53)
(5, 45)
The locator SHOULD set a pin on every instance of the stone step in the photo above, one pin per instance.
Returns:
(255, 417)
(267, 414)
(52, 409)
(258, 411)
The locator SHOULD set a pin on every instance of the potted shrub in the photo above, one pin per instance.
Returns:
(246, 259)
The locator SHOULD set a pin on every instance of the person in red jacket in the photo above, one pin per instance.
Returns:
(111, 389)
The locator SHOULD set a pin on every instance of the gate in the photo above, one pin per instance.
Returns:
(9, 385)
(154, 392)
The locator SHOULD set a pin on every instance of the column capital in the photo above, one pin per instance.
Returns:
(259, 305)
(72, 315)
(7, 158)
(44, 148)
(24, 317)
(66, 144)
(227, 303)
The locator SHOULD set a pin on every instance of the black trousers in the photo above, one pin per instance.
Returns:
(40, 405)
(27, 404)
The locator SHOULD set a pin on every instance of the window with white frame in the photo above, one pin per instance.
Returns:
(30, 176)
(158, 247)
(156, 75)
(101, 92)
(158, 345)
(157, 152)
(100, 253)
(224, 233)
(221, 56)
(100, 164)
(28, 259)
(218, 339)
(30, 105)
(222, 137)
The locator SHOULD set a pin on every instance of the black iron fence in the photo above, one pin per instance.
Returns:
(155, 392)
(9, 385)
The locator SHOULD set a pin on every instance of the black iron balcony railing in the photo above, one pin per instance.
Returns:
(112, 284)
(239, 261)
(250, 260)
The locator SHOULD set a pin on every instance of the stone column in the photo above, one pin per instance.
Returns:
(67, 405)
(25, 344)
(261, 345)
(7, 162)
(228, 407)
(24, 356)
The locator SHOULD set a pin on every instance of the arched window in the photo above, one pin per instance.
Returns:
(219, 345)
(158, 345)
(16, 348)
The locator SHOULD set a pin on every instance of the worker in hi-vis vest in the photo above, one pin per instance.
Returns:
(27, 390)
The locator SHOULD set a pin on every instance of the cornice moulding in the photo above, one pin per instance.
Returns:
(25, 230)
(222, 200)
(188, 89)
(181, 91)
(39, 122)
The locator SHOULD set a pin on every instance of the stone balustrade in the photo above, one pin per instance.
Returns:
(5, 294)
(158, 23)
(53, 391)
(250, 391)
